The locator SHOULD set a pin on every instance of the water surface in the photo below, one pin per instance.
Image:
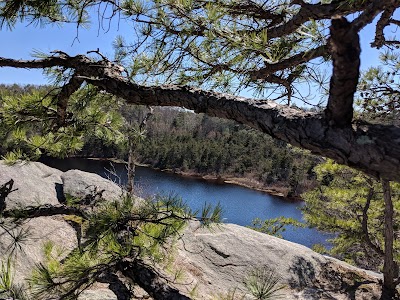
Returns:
(240, 205)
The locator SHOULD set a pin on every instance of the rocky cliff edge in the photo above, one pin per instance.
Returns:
(212, 262)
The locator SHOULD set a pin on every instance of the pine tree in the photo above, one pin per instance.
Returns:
(227, 45)
(351, 205)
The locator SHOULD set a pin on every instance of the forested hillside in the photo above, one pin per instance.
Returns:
(197, 144)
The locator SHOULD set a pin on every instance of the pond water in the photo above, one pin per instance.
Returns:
(240, 205)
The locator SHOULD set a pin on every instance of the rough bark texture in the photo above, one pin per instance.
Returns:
(316, 12)
(390, 268)
(372, 148)
(364, 224)
(345, 51)
(62, 98)
(150, 281)
(295, 60)
(47, 210)
(131, 168)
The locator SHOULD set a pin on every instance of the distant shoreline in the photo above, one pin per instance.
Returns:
(239, 181)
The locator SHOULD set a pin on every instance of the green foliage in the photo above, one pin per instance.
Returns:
(340, 205)
(7, 286)
(6, 276)
(125, 229)
(275, 226)
(175, 139)
(14, 156)
(263, 283)
(194, 292)
(320, 248)
(210, 215)
(197, 143)
(212, 44)
(379, 91)
(29, 122)
(41, 13)
(230, 295)
(71, 200)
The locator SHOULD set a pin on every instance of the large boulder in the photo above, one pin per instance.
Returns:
(79, 184)
(30, 250)
(35, 184)
(217, 261)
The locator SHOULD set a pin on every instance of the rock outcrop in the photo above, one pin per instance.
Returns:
(35, 184)
(212, 262)
(217, 261)
(79, 184)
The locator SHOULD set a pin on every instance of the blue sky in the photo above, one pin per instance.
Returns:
(24, 39)
(21, 42)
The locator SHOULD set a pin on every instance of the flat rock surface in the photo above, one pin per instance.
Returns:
(217, 261)
(98, 294)
(30, 251)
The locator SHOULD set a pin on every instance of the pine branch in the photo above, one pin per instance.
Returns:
(63, 96)
(314, 12)
(374, 8)
(371, 148)
(293, 61)
(43, 211)
(150, 280)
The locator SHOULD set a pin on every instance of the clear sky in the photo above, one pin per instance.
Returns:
(21, 42)
(24, 39)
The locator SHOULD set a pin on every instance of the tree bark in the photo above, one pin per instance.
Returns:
(390, 268)
(131, 155)
(63, 97)
(364, 224)
(372, 148)
(345, 50)
(46, 210)
(310, 11)
(131, 168)
(147, 278)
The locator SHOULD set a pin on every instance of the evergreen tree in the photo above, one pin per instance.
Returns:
(226, 45)
(128, 237)
(29, 126)
(351, 205)
(231, 46)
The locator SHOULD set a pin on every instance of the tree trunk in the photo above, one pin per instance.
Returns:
(131, 168)
(345, 50)
(133, 142)
(390, 268)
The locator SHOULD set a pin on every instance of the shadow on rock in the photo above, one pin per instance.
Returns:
(303, 274)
